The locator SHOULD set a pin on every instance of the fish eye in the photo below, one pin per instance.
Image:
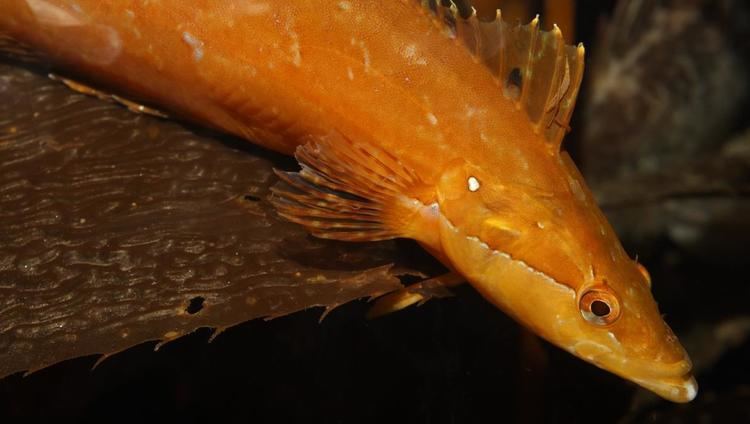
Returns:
(599, 307)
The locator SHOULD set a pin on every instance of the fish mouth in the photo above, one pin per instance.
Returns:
(673, 381)
(681, 389)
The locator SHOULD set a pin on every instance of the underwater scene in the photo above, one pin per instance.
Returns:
(516, 211)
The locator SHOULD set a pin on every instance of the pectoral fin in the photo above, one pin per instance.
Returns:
(351, 191)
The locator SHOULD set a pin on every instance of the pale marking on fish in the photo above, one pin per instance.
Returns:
(294, 49)
(409, 52)
(253, 9)
(614, 338)
(344, 5)
(365, 53)
(350, 73)
(478, 113)
(603, 350)
(194, 43)
(432, 118)
(50, 14)
(473, 184)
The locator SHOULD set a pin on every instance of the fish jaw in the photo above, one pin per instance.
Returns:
(673, 381)
(681, 389)
(550, 310)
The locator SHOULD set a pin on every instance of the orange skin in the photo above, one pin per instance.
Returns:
(530, 238)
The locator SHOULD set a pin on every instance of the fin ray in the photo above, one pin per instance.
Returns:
(346, 191)
(536, 69)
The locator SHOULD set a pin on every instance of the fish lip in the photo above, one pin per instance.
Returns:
(681, 389)
(673, 381)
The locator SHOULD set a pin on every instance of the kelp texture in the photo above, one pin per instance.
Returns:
(119, 228)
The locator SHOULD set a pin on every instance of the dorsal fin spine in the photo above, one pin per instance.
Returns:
(474, 24)
(528, 68)
(501, 59)
(555, 96)
(536, 71)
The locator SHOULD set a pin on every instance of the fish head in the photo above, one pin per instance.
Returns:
(552, 262)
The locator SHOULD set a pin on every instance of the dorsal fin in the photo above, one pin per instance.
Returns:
(536, 69)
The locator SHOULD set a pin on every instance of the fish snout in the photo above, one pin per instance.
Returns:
(681, 389)
(673, 381)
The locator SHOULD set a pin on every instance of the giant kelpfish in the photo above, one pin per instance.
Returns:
(408, 120)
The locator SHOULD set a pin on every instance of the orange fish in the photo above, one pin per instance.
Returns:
(407, 121)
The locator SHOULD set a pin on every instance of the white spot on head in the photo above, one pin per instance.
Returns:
(194, 43)
(473, 184)
(350, 73)
(345, 5)
(540, 224)
(432, 118)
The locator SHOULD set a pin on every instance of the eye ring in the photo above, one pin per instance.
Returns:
(599, 306)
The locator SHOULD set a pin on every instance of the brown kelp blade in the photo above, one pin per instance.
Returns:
(119, 228)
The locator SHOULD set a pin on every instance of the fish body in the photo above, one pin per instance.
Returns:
(408, 121)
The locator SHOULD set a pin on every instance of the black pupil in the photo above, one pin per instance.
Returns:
(600, 308)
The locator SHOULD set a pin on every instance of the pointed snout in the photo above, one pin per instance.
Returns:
(679, 389)
(673, 381)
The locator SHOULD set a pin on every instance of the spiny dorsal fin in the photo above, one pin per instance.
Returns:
(536, 69)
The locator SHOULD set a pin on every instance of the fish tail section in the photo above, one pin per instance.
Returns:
(348, 191)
